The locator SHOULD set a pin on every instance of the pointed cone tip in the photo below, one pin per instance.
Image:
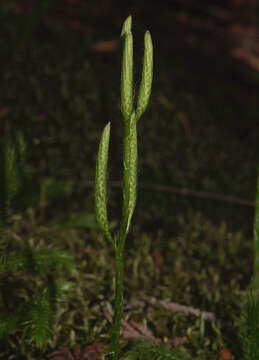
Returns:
(126, 27)
(147, 36)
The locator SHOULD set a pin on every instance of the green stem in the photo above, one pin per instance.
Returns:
(130, 157)
(119, 268)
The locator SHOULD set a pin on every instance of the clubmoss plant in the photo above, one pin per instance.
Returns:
(130, 157)
(129, 163)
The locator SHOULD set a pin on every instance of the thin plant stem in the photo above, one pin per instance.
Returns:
(129, 199)
(119, 280)
(130, 157)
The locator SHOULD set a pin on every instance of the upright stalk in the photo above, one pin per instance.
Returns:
(129, 200)
(130, 156)
(119, 269)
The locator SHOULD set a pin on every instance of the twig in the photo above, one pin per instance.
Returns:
(176, 190)
(173, 307)
(144, 331)
(187, 310)
(134, 330)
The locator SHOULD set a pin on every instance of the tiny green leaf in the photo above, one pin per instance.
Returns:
(127, 77)
(147, 75)
(126, 27)
(100, 183)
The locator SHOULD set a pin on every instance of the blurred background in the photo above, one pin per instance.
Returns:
(60, 68)
(60, 65)
(191, 238)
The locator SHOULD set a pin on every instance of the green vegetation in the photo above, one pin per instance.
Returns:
(183, 250)
(26, 305)
(250, 328)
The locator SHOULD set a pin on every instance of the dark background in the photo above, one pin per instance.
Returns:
(191, 239)
(61, 73)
